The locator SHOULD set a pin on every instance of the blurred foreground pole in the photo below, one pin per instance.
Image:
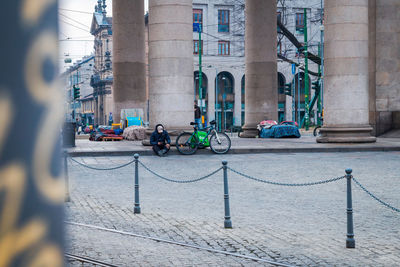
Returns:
(31, 109)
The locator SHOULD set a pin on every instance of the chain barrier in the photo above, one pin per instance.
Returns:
(102, 169)
(286, 184)
(179, 181)
(375, 197)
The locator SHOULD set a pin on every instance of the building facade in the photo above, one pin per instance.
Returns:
(223, 56)
(102, 76)
(79, 76)
(359, 75)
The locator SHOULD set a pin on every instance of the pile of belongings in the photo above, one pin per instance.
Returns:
(271, 129)
(134, 133)
(105, 132)
(267, 124)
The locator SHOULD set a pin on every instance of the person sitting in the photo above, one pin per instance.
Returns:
(160, 140)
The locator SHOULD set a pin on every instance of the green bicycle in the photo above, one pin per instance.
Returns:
(188, 143)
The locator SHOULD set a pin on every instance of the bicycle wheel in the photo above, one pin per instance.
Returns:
(186, 143)
(316, 130)
(220, 144)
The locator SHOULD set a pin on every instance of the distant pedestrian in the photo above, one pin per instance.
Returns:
(160, 141)
(197, 115)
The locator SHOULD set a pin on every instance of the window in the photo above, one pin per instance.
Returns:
(198, 16)
(196, 47)
(279, 17)
(197, 19)
(300, 22)
(223, 48)
(223, 20)
(299, 54)
(279, 48)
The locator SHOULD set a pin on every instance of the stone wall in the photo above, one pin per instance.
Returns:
(387, 65)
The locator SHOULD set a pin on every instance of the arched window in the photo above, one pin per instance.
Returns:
(225, 101)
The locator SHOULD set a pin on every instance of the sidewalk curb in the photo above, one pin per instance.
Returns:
(238, 151)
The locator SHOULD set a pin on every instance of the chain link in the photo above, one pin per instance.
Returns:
(180, 181)
(286, 184)
(374, 197)
(102, 169)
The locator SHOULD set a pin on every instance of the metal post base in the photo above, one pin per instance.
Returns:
(228, 224)
(136, 210)
(350, 243)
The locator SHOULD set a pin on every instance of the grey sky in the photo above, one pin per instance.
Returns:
(75, 17)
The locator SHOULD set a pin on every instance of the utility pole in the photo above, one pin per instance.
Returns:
(216, 99)
(321, 99)
(306, 89)
(319, 106)
(298, 90)
(294, 93)
(200, 70)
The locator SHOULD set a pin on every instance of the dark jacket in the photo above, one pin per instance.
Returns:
(156, 137)
(197, 112)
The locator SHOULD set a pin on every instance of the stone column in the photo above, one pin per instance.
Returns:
(261, 94)
(237, 113)
(171, 64)
(346, 103)
(211, 75)
(387, 65)
(129, 87)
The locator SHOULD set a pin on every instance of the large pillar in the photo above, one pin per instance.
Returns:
(31, 179)
(346, 105)
(211, 75)
(261, 95)
(387, 82)
(171, 64)
(129, 67)
(237, 113)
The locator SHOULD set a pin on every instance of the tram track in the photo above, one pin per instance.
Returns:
(161, 240)
(87, 260)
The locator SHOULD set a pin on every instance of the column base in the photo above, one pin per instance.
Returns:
(249, 132)
(173, 134)
(356, 134)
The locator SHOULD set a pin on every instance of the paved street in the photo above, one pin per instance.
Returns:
(303, 226)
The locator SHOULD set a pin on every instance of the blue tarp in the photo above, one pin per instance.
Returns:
(134, 121)
(279, 131)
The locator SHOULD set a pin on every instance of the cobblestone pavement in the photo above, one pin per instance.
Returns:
(302, 226)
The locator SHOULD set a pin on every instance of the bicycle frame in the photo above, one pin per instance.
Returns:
(209, 132)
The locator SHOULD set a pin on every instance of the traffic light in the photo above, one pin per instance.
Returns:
(288, 89)
(77, 93)
(315, 85)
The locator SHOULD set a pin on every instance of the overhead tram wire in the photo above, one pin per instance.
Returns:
(66, 22)
(292, 62)
(77, 11)
(78, 22)
(290, 36)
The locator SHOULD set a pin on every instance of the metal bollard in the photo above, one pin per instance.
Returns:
(227, 222)
(350, 241)
(136, 209)
(67, 197)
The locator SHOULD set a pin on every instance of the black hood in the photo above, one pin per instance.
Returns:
(155, 129)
